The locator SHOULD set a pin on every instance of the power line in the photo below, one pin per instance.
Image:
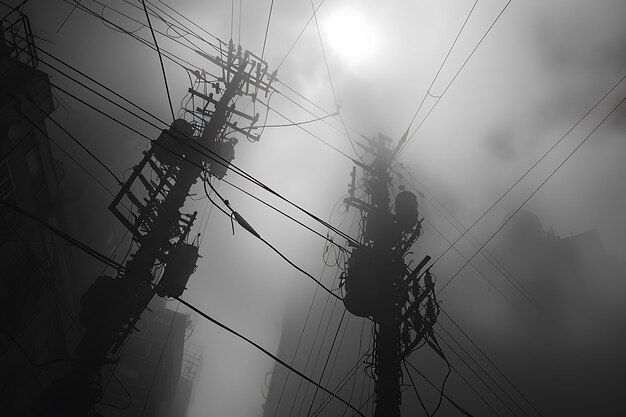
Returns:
(315, 9)
(68, 16)
(167, 89)
(488, 359)
(205, 152)
(480, 367)
(330, 79)
(186, 46)
(441, 66)
(83, 147)
(474, 242)
(597, 103)
(330, 351)
(534, 192)
(295, 354)
(329, 291)
(455, 76)
(480, 378)
(297, 123)
(417, 394)
(465, 412)
(103, 258)
(267, 29)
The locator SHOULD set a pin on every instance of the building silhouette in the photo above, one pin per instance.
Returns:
(150, 379)
(38, 326)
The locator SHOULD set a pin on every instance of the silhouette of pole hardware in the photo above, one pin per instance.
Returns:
(112, 306)
(377, 282)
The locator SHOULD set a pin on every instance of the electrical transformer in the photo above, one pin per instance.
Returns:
(178, 271)
(406, 210)
(361, 283)
(170, 143)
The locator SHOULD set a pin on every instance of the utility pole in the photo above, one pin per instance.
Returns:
(377, 282)
(112, 305)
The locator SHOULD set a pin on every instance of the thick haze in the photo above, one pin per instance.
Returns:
(542, 66)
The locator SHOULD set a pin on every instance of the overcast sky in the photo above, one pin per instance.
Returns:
(539, 70)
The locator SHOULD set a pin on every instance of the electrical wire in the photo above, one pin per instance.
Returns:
(269, 244)
(482, 352)
(167, 89)
(479, 366)
(295, 354)
(330, 79)
(306, 365)
(152, 46)
(300, 35)
(330, 351)
(495, 394)
(104, 259)
(535, 191)
(215, 157)
(455, 76)
(458, 407)
(267, 28)
(545, 154)
(441, 67)
(516, 283)
(417, 394)
(297, 123)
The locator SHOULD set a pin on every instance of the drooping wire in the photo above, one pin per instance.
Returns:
(104, 259)
(495, 394)
(330, 79)
(534, 192)
(482, 352)
(458, 407)
(455, 76)
(532, 167)
(441, 66)
(479, 366)
(215, 157)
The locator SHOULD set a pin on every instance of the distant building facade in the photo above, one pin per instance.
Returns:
(148, 380)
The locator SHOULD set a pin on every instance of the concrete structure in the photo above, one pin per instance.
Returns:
(38, 307)
(147, 378)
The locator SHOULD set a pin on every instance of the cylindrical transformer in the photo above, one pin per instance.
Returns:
(178, 270)
(406, 210)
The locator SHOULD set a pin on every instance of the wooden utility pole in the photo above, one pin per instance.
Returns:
(112, 305)
(377, 282)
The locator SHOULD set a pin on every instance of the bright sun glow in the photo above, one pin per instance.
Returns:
(351, 36)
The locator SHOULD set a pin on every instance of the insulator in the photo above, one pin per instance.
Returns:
(178, 270)
(406, 210)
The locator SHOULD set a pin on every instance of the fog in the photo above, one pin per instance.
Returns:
(539, 70)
